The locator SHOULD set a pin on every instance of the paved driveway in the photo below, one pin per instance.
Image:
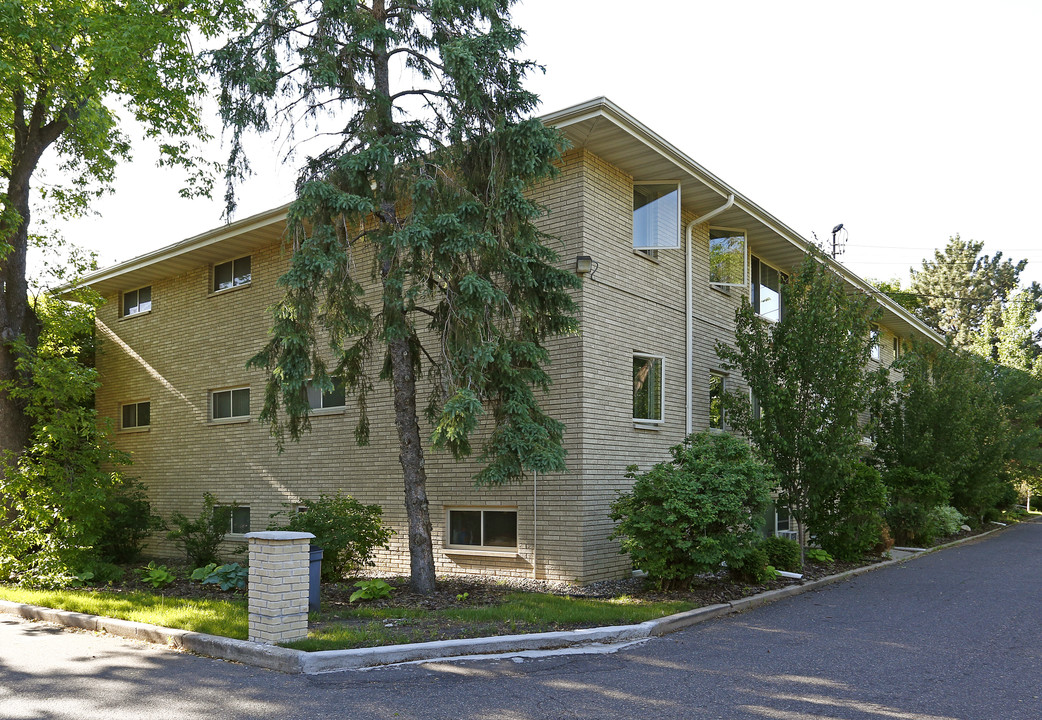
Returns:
(957, 634)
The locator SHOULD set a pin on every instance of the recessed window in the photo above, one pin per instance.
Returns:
(875, 342)
(897, 348)
(319, 399)
(648, 390)
(765, 289)
(727, 257)
(137, 301)
(656, 216)
(233, 273)
(492, 529)
(717, 387)
(228, 404)
(136, 415)
(238, 519)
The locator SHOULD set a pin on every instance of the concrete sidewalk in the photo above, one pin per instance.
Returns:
(298, 661)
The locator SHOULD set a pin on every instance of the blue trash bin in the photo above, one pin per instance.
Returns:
(314, 578)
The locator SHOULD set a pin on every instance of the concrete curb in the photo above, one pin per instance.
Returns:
(298, 661)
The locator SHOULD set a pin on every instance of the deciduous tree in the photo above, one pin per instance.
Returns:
(425, 175)
(67, 67)
(810, 377)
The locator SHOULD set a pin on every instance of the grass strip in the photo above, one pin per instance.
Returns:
(518, 613)
(227, 618)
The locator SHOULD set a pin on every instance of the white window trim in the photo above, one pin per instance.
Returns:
(451, 548)
(749, 287)
(680, 224)
(231, 519)
(136, 428)
(723, 390)
(123, 314)
(649, 423)
(233, 419)
(876, 351)
(331, 410)
(746, 265)
(233, 288)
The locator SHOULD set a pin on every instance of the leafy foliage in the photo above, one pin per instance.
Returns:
(751, 564)
(914, 496)
(423, 190)
(232, 576)
(809, 374)
(783, 553)
(817, 555)
(371, 590)
(156, 575)
(949, 520)
(201, 538)
(201, 573)
(65, 499)
(347, 531)
(687, 516)
(846, 513)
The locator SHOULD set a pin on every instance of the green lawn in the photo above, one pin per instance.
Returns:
(214, 617)
(361, 626)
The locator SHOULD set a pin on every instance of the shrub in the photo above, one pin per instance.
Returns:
(687, 516)
(948, 520)
(129, 520)
(913, 497)
(347, 531)
(156, 575)
(200, 538)
(783, 553)
(750, 564)
(848, 522)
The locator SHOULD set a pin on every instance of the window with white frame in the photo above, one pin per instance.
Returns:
(897, 348)
(727, 257)
(234, 273)
(320, 399)
(136, 415)
(230, 404)
(765, 284)
(238, 518)
(784, 525)
(648, 388)
(717, 388)
(137, 301)
(656, 216)
(875, 342)
(477, 528)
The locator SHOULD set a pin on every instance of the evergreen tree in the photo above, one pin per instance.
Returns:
(963, 292)
(809, 375)
(427, 177)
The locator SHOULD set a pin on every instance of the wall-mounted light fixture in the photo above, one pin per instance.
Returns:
(583, 264)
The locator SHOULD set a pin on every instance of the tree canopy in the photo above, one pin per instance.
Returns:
(412, 234)
(67, 68)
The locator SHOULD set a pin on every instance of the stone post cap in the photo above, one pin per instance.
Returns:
(279, 535)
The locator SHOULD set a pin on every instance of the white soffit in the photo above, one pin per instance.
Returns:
(609, 132)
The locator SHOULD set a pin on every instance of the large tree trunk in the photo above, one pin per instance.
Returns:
(16, 317)
(421, 555)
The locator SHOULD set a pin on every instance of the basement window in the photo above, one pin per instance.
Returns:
(474, 529)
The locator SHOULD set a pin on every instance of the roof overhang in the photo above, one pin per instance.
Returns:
(609, 132)
(235, 239)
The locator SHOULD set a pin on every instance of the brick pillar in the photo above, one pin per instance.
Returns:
(278, 593)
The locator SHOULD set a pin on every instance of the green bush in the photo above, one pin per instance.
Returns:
(228, 577)
(129, 520)
(347, 531)
(201, 538)
(848, 521)
(687, 516)
(948, 520)
(783, 553)
(817, 555)
(750, 564)
(156, 575)
(913, 497)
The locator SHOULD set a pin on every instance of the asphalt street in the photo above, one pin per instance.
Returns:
(953, 635)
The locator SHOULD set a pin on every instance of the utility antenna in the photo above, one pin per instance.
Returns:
(839, 246)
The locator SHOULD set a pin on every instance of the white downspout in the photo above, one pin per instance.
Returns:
(535, 524)
(690, 310)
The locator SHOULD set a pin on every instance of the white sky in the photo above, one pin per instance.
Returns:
(906, 121)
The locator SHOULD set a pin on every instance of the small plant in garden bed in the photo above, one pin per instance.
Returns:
(232, 576)
(371, 590)
(818, 555)
(156, 575)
